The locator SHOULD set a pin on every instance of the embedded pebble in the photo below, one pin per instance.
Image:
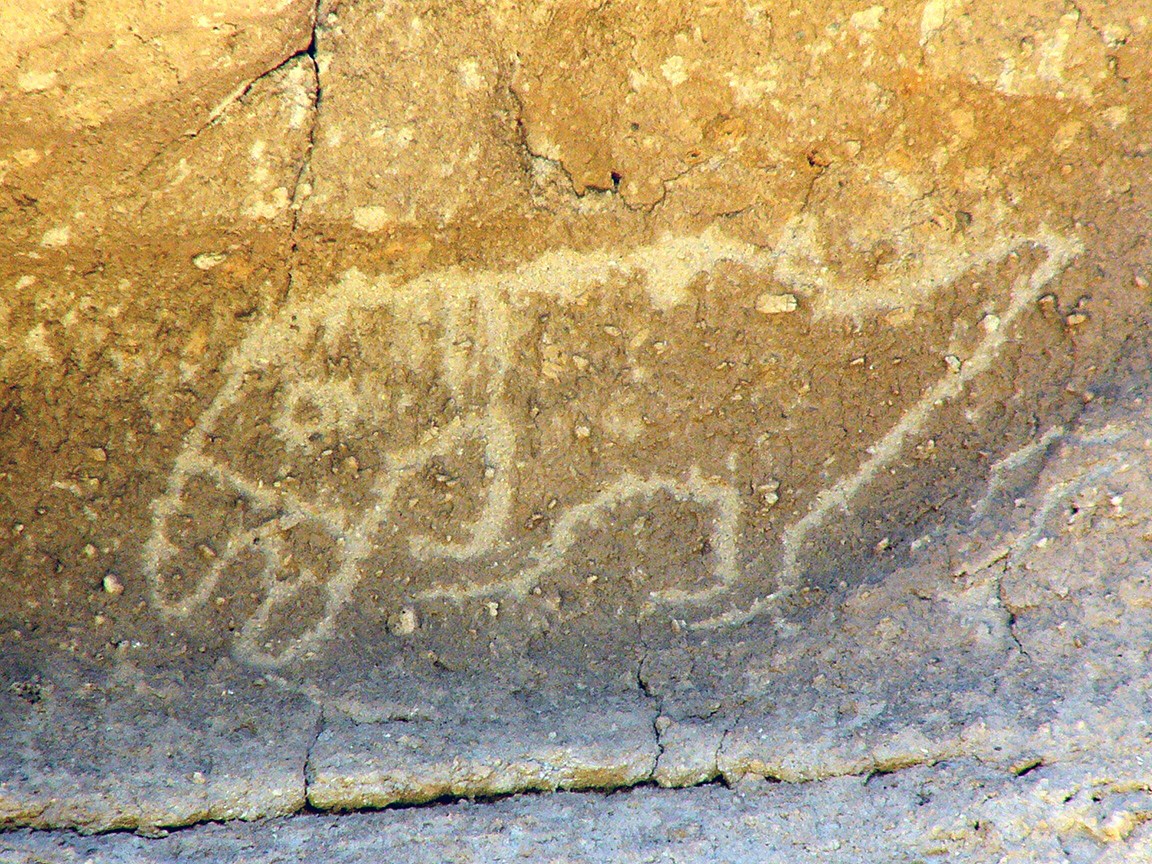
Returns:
(403, 623)
(208, 260)
(776, 304)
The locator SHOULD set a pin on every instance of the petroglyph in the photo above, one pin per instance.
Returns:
(1003, 468)
(838, 498)
(395, 435)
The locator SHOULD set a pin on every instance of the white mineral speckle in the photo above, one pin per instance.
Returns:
(36, 82)
(37, 343)
(470, 75)
(56, 237)
(371, 218)
(674, 70)
(867, 19)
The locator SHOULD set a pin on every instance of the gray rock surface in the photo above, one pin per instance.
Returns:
(141, 749)
(956, 811)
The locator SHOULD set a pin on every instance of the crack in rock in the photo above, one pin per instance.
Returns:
(308, 769)
(659, 721)
(302, 186)
(238, 94)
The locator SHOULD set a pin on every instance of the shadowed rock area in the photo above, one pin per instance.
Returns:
(408, 404)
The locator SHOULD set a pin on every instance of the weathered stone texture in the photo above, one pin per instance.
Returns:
(706, 379)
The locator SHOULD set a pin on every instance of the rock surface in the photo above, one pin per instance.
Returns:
(961, 811)
(401, 403)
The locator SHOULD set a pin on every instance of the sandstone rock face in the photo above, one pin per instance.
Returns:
(628, 365)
